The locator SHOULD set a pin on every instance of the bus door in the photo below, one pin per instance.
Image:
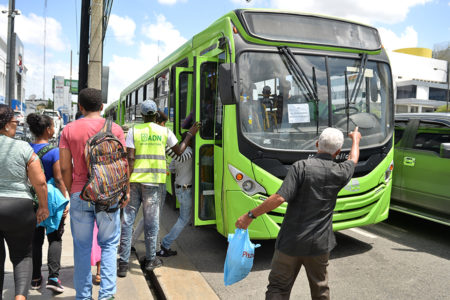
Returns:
(206, 70)
(180, 108)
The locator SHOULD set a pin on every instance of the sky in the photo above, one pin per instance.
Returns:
(142, 31)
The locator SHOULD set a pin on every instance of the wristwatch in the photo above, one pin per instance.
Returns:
(251, 215)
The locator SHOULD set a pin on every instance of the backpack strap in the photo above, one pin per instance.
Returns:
(107, 127)
(44, 150)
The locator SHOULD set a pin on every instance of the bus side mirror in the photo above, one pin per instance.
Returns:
(445, 150)
(228, 87)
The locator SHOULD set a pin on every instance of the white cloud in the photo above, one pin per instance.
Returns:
(251, 3)
(392, 41)
(35, 74)
(367, 11)
(170, 2)
(164, 37)
(122, 28)
(164, 32)
(30, 29)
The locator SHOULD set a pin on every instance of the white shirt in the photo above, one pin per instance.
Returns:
(182, 166)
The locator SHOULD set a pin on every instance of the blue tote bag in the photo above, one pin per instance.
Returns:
(240, 254)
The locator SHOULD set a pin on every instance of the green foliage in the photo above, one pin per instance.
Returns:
(49, 104)
(443, 108)
(442, 51)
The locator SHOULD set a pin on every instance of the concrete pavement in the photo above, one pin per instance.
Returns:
(134, 286)
(177, 279)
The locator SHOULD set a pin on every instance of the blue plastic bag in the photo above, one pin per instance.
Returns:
(240, 254)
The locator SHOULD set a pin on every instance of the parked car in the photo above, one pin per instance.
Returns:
(56, 119)
(19, 117)
(421, 179)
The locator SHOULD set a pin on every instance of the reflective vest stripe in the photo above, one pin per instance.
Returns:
(150, 156)
(149, 170)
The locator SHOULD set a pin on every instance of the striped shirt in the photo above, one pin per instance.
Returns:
(180, 158)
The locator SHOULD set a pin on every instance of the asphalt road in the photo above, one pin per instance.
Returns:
(401, 258)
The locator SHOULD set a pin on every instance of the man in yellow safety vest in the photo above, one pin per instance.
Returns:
(146, 144)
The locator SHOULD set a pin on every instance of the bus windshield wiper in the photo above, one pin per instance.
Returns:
(359, 78)
(347, 100)
(302, 80)
(356, 87)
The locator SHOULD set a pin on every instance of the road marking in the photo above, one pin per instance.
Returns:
(364, 233)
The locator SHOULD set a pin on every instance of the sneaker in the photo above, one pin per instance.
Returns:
(55, 285)
(122, 268)
(150, 265)
(166, 252)
(36, 283)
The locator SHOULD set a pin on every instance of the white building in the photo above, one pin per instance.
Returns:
(18, 93)
(421, 82)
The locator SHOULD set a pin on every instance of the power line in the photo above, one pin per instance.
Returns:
(106, 12)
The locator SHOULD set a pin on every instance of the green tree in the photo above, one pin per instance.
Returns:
(442, 51)
(49, 104)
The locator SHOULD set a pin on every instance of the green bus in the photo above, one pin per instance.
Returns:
(111, 111)
(315, 72)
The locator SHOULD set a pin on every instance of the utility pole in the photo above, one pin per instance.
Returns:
(84, 45)
(69, 108)
(96, 45)
(11, 53)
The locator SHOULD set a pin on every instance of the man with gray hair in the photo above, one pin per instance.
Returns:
(306, 236)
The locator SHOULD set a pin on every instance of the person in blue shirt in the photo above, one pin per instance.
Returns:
(43, 129)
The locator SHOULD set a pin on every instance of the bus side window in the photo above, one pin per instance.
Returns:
(184, 100)
(139, 100)
(129, 106)
(219, 121)
(162, 92)
(208, 98)
(206, 192)
(150, 93)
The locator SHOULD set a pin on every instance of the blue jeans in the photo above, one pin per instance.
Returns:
(184, 196)
(82, 217)
(139, 229)
(150, 197)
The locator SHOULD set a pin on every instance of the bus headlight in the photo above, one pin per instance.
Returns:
(247, 184)
(387, 174)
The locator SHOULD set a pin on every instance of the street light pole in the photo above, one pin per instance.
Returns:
(10, 56)
(448, 84)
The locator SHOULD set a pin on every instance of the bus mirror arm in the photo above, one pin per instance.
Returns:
(228, 86)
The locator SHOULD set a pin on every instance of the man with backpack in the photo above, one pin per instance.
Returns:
(146, 144)
(76, 145)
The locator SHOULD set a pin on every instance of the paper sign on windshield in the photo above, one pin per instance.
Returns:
(298, 113)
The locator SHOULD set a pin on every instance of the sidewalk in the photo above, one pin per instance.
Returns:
(177, 278)
(134, 286)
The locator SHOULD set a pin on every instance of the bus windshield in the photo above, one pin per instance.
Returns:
(280, 110)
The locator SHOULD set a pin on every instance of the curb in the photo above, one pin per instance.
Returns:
(177, 278)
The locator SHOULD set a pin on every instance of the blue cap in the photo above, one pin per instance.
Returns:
(148, 107)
